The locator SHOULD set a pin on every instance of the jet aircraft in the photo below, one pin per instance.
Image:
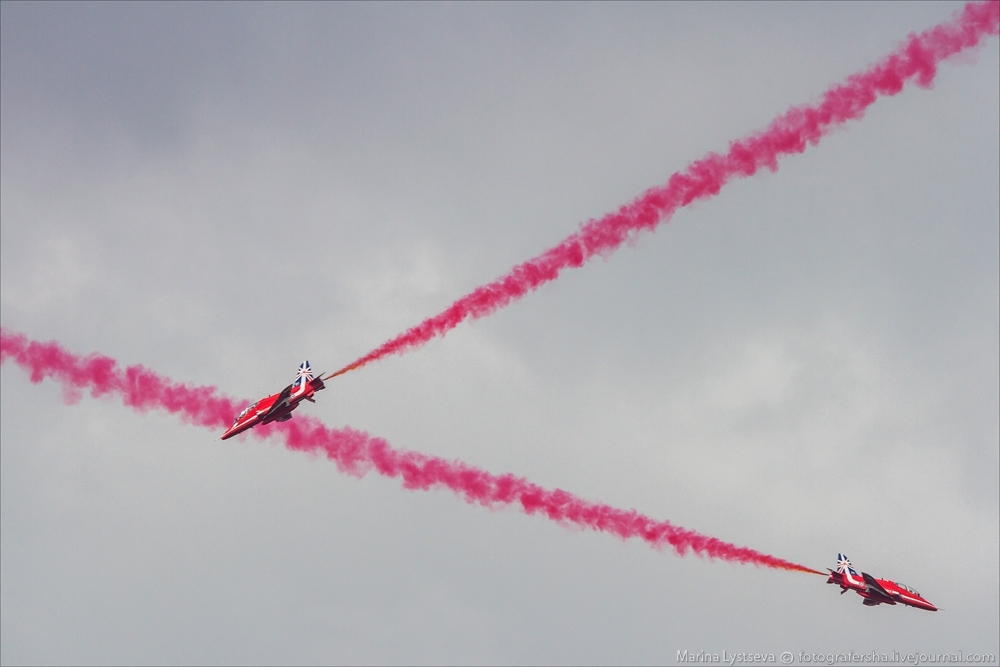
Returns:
(874, 591)
(278, 407)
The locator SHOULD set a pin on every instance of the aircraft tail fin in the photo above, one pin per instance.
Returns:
(844, 565)
(304, 376)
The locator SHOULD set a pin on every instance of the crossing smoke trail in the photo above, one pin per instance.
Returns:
(356, 453)
(790, 133)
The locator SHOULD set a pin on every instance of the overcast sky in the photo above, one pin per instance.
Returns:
(806, 364)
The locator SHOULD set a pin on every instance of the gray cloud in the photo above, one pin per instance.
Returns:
(806, 364)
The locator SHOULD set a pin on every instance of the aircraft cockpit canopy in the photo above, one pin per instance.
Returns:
(245, 411)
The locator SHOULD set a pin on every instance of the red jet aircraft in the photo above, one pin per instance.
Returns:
(278, 407)
(874, 591)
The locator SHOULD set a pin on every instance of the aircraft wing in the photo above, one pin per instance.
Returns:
(875, 589)
(279, 401)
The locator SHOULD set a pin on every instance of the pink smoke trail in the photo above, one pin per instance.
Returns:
(356, 453)
(916, 59)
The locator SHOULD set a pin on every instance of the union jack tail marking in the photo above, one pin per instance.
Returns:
(844, 565)
(304, 376)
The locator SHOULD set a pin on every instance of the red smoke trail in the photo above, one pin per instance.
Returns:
(356, 452)
(791, 133)
(139, 388)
